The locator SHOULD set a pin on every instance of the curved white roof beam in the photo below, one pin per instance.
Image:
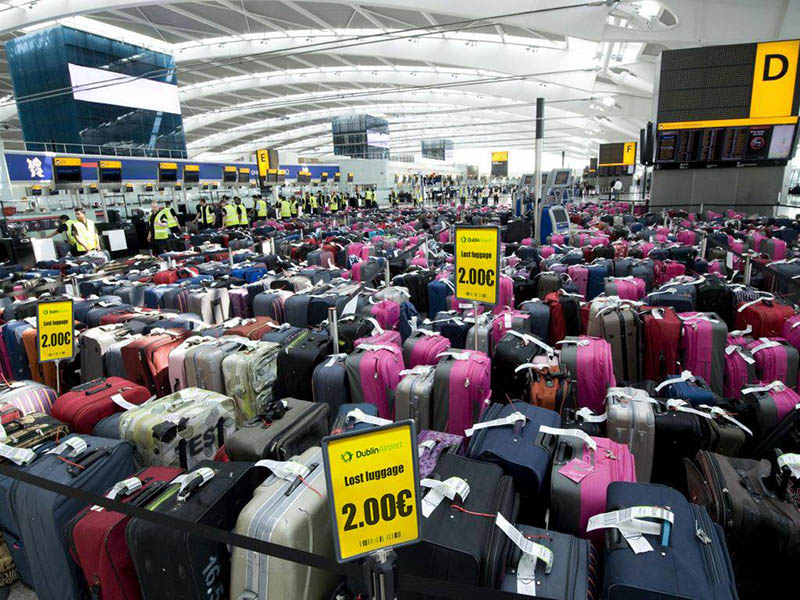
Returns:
(380, 95)
(378, 109)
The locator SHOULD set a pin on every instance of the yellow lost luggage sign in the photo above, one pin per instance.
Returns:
(373, 489)
(54, 322)
(477, 263)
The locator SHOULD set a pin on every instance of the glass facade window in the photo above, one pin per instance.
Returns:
(53, 119)
(360, 136)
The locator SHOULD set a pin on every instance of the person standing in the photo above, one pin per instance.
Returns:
(617, 189)
(230, 215)
(205, 215)
(241, 213)
(285, 208)
(259, 208)
(158, 231)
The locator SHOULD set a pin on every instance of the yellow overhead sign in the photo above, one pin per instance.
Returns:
(230, 169)
(66, 161)
(500, 156)
(110, 164)
(477, 263)
(191, 167)
(373, 489)
(262, 158)
(55, 322)
(168, 166)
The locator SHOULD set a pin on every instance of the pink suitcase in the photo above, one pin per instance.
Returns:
(546, 251)
(791, 331)
(423, 347)
(704, 337)
(373, 372)
(419, 261)
(505, 293)
(176, 361)
(391, 338)
(577, 495)
(590, 363)
(673, 269)
(461, 390)
(740, 370)
(776, 360)
(580, 277)
(505, 320)
(386, 313)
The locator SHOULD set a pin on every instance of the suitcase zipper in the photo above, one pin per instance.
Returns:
(703, 527)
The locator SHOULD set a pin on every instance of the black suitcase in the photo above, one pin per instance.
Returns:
(713, 295)
(171, 563)
(785, 436)
(289, 428)
(296, 363)
(450, 325)
(352, 327)
(677, 435)
(417, 284)
(331, 385)
(510, 352)
(458, 546)
(516, 231)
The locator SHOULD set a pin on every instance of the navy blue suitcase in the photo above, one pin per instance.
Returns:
(408, 313)
(694, 392)
(595, 284)
(108, 427)
(539, 320)
(94, 315)
(341, 423)
(450, 325)
(438, 291)
(330, 384)
(522, 451)
(693, 565)
(282, 336)
(296, 310)
(42, 516)
(678, 297)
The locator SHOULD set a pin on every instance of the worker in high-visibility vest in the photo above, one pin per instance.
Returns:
(333, 205)
(205, 215)
(158, 233)
(241, 213)
(286, 208)
(393, 198)
(230, 216)
(313, 204)
(260, 208)
(293, 206)
(369, 198)
(80, 232)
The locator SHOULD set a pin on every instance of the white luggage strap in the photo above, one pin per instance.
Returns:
(465, 355)
(332, 358)
(439, 490)
(512, 419)
(76, 445)
(530, 339)
(764, 345)
(631, 524)
(716, 412)
(19, 456)
(776, 386)
(586, 415)
(576, 433)
(288, 470)
(696, 317)
(375, 347)
(418, 370)
(671, 290)
(677, 405)
(376, 325)
(531, 553)
(120, 489)
(361, 417)
(744, 332)
(684, 376)
(124, 404)
(741, 352)
(456, 319)
(765, 296)
(792, 461)
(189, 482)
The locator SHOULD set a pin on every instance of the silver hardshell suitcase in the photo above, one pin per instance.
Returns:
(213, 305)
(288, 514)
(203, 363)
(483, 330)
(414, 396)
(631, 421)
(112, 359)
(93, 345)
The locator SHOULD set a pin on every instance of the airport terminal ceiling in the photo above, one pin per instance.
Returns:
(268, 73)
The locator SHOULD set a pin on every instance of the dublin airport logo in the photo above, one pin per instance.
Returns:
(347, 456)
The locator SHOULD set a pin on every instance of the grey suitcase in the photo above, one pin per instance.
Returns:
(94, 343)
(203, 363)
(213, 305)
(414, 396)
(631, 421)
(621, 327)
(292, 515)
(279, 436)
(112, 359)
(483, 330)
(546, 283)
(296, 310)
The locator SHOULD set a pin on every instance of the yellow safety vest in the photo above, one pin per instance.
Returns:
(313, 201)
(286, 209)
(370, 195)
(231, 216)
(207, 214)
(334, 206)
(84, 236)
(293, 208)
(242, 214)
(261, 208)
(161, 224)
(70, 236)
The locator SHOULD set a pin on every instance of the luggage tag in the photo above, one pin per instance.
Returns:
(531, 553)
(577, 433)
(748, 359)
(765, 296)
(530, 339)
(587, 416)
(189, 482)
(333, 358)
(76, 444)
(512, 419)
(576, 469)
(631, 524)
(439, 490)
(428, 445)
(683, 406)
(685, 375)
(288, 470)
(121, 488)
(790, 461)
(376, 325)
(19, 456)
(361, 417)
(418, 370)
(776, 386)
(716, 411)
(124, 404)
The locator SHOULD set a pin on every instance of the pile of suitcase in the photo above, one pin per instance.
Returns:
(624, 423)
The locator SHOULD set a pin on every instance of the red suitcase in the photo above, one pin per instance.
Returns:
(662, 336)
(146, 359)
(253, 329)
(97, 538)
(9, 412)
(87, 404)
(765, 315)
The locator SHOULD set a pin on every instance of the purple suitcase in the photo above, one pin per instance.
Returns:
(431, 445)
(240, 303)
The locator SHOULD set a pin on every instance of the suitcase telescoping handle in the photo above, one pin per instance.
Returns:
(93, 386)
